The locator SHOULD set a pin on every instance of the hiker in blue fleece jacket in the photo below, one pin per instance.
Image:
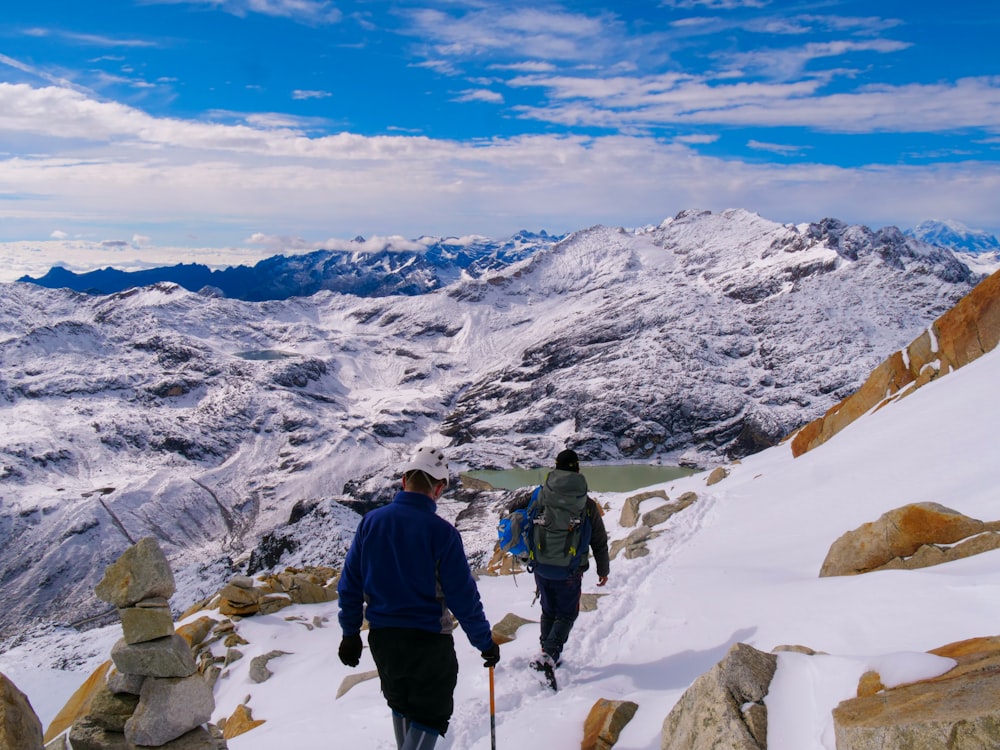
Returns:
(406, 573)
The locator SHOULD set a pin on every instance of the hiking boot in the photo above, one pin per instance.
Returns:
(542, 661)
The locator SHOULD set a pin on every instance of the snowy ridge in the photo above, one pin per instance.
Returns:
(206, 421)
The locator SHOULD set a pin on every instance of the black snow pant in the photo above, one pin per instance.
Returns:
(560, 600)
(418, 671)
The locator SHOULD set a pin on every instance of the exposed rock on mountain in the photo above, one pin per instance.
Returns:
(964, 333)
(232, 430)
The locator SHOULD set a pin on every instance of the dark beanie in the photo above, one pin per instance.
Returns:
(567, 460)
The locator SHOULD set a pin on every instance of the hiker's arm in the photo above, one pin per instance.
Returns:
(350, 588)
(599, 543)
(461, 594)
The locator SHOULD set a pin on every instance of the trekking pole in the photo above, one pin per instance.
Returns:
(493, 715)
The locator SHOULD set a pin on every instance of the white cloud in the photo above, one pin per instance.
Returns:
(671, 99)
(696, 138)
(715, 4)
(303, 11)
(92, 160)
(774, 148)
(793, 62)
(479, 95)
(306, 94)
(523, 33)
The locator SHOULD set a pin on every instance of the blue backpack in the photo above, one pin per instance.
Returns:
(514, 530)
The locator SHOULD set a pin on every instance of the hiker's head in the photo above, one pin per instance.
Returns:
(567, 460)
(426, 472)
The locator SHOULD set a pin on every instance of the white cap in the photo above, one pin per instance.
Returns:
(428, 460)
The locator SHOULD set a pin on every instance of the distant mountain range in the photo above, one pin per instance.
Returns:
(364, 272)
(391, 270)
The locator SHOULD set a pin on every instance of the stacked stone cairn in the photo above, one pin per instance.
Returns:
(154, 696)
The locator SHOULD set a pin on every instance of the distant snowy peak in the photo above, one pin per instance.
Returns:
(955, 235)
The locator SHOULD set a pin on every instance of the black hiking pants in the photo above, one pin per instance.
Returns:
(560, 599)
(418, 671)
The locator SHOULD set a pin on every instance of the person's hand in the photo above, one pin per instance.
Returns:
(601, 580)
(350, 650)
(491, 656)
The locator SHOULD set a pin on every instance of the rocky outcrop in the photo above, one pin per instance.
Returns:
(960, 709)
(634, 544)
(907, 537)
(723, 709)
(964, 333)
(245, 596)
(19, 725)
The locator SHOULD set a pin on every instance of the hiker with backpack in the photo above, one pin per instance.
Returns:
(564, 522)
(404, 571)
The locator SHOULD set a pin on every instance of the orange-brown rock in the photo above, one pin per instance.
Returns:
(79, 703)
(195, 632)
(869, 684)
(506, 630)
(605, 722)
(959, 709)
(964, 333)
(897, 534)
(502, 564)
(240, 722)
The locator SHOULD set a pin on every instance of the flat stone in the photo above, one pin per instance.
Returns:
(145, 623)
(85, 734)
(164, 657)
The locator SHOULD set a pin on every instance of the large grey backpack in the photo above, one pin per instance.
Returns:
(561, 528)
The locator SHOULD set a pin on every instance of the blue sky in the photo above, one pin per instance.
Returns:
(285, 123)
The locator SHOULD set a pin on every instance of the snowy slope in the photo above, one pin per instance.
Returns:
(205, 421)
(740, 565)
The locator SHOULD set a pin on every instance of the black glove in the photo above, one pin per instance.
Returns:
(491, 656)
(350, 650)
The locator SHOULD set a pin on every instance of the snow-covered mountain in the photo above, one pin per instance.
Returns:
(977, 249)
(374, 268)
(212, 423)
(955, 235)
(739, 565)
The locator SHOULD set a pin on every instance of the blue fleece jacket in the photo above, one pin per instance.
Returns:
(408, 566)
